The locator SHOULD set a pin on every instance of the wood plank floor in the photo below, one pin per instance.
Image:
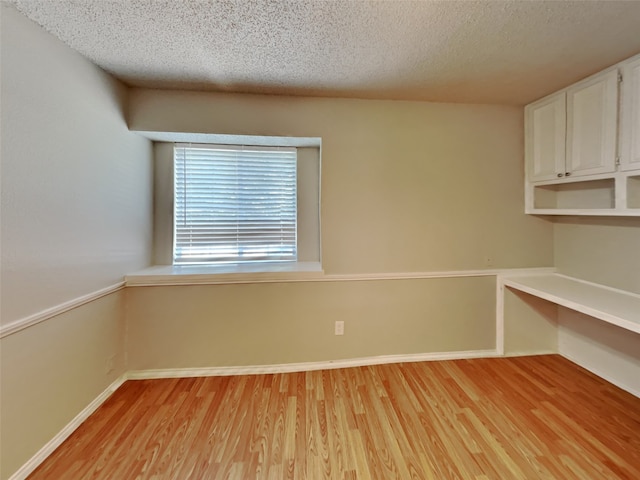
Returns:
(519, 418)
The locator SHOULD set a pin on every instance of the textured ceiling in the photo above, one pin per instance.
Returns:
(509, 52)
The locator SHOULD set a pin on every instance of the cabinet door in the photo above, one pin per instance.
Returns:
(630, 122)
(592, 115)
(545, 128)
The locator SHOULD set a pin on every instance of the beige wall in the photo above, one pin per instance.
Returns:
(602, 250)
(75, 217)
(263, 324)
(530, 324)
(406, 186)
(53, 370)
(75, 198)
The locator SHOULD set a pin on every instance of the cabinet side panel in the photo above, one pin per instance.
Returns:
(631, 116)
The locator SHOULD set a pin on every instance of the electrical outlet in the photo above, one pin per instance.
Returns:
(339, 328)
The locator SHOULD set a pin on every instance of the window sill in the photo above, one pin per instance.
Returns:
(224, 274)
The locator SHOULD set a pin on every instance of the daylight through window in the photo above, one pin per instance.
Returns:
(234, 204)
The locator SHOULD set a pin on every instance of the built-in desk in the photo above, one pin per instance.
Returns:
(611, 305)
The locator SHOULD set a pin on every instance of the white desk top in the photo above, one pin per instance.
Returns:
(609, 304)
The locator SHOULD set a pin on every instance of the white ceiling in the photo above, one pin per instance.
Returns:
(508, 52)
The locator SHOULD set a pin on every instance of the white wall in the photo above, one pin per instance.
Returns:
(610, 352)
(75, 217)
(606, 251)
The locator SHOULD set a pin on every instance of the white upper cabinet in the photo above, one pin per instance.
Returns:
(592, 114)
(574, 132)
(582, 146)
(630, 121)
(545, 122)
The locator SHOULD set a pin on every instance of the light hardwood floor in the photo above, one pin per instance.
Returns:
(516, 418)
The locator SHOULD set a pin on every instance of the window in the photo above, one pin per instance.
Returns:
(306, 151)
(234, 204)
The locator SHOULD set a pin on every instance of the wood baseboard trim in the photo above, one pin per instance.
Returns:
(26, 322)
(306, 366)
(602, 375)
(33, 463)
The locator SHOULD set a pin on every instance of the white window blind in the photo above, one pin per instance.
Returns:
(234, 204)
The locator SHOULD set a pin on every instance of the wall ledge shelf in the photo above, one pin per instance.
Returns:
(608, 195)
(597, 212)
(611, 305)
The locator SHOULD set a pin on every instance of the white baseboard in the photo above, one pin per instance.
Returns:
(306, 366)
(33, 463)
(633, 391)
(533, 353)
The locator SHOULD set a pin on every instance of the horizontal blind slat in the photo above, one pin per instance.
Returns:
(235, 204)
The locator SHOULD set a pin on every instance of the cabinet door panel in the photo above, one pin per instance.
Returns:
(592, 109)
(630, 123)
(545, 124)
